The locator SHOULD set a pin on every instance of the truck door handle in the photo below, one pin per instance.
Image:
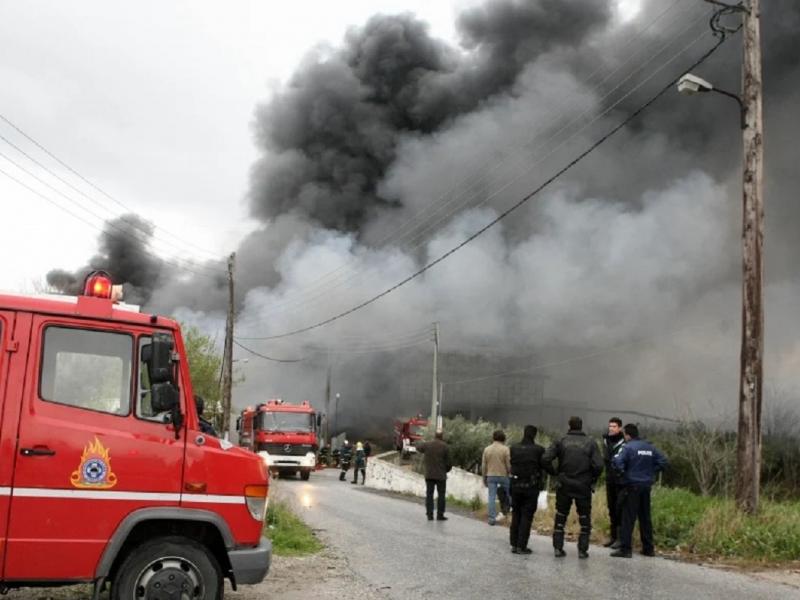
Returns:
(37, 451)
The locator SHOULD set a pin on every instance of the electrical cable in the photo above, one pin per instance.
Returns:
(592, 147)
(270, 358)
(97, 203)
(90, 224)
(89, 182)
(436, 207)
(280, 307)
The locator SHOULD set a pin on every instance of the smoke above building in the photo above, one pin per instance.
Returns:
(619, 284)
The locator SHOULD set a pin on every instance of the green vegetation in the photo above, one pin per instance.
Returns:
(711, 526)
(289, 534)
(205, 363)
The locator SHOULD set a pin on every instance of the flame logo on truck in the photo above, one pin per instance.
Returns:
(94, 472)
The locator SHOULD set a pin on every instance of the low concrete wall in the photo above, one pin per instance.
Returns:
(384, 475)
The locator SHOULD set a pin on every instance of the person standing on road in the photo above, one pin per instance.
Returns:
(345, 456)
(360, 464)
(526, 481)
(638, 462)
(613, 441)
(437, 466)
(496, 468)
(579, 466)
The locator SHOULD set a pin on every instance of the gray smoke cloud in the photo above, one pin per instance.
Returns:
(617, 287)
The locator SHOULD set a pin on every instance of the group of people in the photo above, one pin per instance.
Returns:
(516, 475)
(357, 457)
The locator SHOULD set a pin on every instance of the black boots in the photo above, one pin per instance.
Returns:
(583, 537)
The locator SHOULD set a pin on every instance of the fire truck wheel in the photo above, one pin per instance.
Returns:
(304, 475)
(167, 568)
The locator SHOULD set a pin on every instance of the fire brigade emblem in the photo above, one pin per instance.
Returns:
(94, 472)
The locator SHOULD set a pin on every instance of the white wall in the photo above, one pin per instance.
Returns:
(384, 475)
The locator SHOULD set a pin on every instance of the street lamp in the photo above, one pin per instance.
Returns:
(691, 84)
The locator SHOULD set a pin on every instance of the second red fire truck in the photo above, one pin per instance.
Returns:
(284, 434)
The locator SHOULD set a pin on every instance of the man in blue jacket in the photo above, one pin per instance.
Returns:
(638, 463)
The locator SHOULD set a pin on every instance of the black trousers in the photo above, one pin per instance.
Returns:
(635, 503)
(363, 472)
(524, 502)
(583, 504)
(440, 485)
(614, 507)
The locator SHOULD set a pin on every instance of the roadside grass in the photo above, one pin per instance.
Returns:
(691, 526)
(289, 534)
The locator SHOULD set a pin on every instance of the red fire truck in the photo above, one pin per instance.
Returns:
(409, 432)
(105, 475)
(284, 434)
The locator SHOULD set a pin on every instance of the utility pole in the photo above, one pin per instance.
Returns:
(435, 390)
(440, 417)
(227, 355)
(327, 434)
(748, 450)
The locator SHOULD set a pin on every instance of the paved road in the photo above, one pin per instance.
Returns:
(399, 553)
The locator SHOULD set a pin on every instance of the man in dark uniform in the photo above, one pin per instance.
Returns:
(205, 425)
(437, 466)
(638, 462)
(613, 441)
(526, 481)
(579, 466)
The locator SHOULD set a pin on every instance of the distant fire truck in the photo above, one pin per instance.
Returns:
(409, 432)
(284, 434)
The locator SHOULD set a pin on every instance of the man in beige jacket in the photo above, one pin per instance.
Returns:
(496, 469)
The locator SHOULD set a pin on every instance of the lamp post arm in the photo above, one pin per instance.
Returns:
(742, 109)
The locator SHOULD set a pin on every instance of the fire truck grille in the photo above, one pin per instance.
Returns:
(287, 449)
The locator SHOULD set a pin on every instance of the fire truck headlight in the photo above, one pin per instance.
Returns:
(256, 498)
(311, 455)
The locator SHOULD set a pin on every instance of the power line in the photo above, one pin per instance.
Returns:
(89, 223)
(270, 358)
(89, 182)
(287, 305)
(512, 208)
(97, 203)
(436, 207)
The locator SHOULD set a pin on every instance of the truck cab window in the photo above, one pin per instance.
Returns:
(144, 407)
(87, 369)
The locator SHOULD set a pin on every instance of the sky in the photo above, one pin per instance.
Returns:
(153, 102)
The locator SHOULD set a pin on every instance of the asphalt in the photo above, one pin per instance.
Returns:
(389, 543)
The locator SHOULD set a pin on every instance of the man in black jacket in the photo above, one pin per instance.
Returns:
(437, 466)
(613, 441)
(526, 481)
(579, 466)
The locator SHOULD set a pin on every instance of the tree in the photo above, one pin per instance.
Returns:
(205, 362)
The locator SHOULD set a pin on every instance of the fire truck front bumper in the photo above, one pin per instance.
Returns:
(277, 461)
(251, 565)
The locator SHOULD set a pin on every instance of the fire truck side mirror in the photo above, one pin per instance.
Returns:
(319, 421)
(165, 397)
(157, 355)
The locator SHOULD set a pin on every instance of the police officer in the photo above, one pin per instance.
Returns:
(579, 466)
(638, 463)
(613, 442)
(526, 481)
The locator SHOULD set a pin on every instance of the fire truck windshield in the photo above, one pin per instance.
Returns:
(417, 429)
(285, 421)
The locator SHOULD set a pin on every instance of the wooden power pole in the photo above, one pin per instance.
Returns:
(227, 356)
(748, 451)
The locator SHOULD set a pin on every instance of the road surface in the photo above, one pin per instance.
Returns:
(390, 544)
